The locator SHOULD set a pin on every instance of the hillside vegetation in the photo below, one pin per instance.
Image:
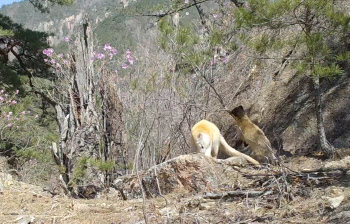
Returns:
(97, 100)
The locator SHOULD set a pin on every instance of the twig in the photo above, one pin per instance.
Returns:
(139, 179)
(172, 11)
(249, 194)
(160, 193)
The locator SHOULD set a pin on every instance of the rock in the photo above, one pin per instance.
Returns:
(3, 164)
(168, 212)
(233, 161)
(207, 205)
(340, 215)
(335, 202)
(335, 197)
(5, 180)
(191, 173)
(343, 163)
(25, 220)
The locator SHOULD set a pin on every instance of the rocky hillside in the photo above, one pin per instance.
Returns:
(283, 104)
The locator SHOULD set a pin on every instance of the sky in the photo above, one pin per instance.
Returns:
(6, 2)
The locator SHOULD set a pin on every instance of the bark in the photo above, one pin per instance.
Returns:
(324, 145)
(87, 130)
(113, 126)
(77, 116)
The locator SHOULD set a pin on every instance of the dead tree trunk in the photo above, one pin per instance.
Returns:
(113, 127)
(90, 124)
(78, 118)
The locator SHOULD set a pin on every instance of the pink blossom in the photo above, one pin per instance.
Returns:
(114, 51)
(53, 61)
(100, 56)
(116, 71)
(225, 60)
(131, 61)
(36, 116)
(1, 98)
(10, 113)
(10, 125)
(186, 1)
(60, 55)
(2, 91)
(110, 56)
(65, 62)
(107, 47)
(215, 16)
(124, 66)
(128, 52)
(17, 91)
(48, 52)
(194, 75)
(13, 102)
(23, 112)
(66, 39)
(46, 60)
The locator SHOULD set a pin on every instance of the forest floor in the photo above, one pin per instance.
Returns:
(25, 203)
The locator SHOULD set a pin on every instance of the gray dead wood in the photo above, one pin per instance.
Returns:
(249, 194)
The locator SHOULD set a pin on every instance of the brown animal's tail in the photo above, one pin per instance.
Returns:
(233, 152)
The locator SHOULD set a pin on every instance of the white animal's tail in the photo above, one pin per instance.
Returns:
(233, 152)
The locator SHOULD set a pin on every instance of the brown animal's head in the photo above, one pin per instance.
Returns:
(238, 112)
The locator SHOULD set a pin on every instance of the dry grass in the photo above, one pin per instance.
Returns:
(24, 200)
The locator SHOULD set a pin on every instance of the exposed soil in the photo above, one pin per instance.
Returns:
(310, 204)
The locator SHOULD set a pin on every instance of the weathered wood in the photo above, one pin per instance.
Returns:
(249, 194)
(84, 128)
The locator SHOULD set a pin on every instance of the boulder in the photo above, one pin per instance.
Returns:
(191, 173)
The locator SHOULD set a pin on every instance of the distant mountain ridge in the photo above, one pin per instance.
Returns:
(106, 17)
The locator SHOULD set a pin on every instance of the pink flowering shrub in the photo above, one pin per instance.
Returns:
(12, 117)
(103, 55)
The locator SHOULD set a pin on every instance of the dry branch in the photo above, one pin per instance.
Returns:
(249, 194)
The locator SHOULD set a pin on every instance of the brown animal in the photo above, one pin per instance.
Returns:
(206, 138)
(253, 136)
